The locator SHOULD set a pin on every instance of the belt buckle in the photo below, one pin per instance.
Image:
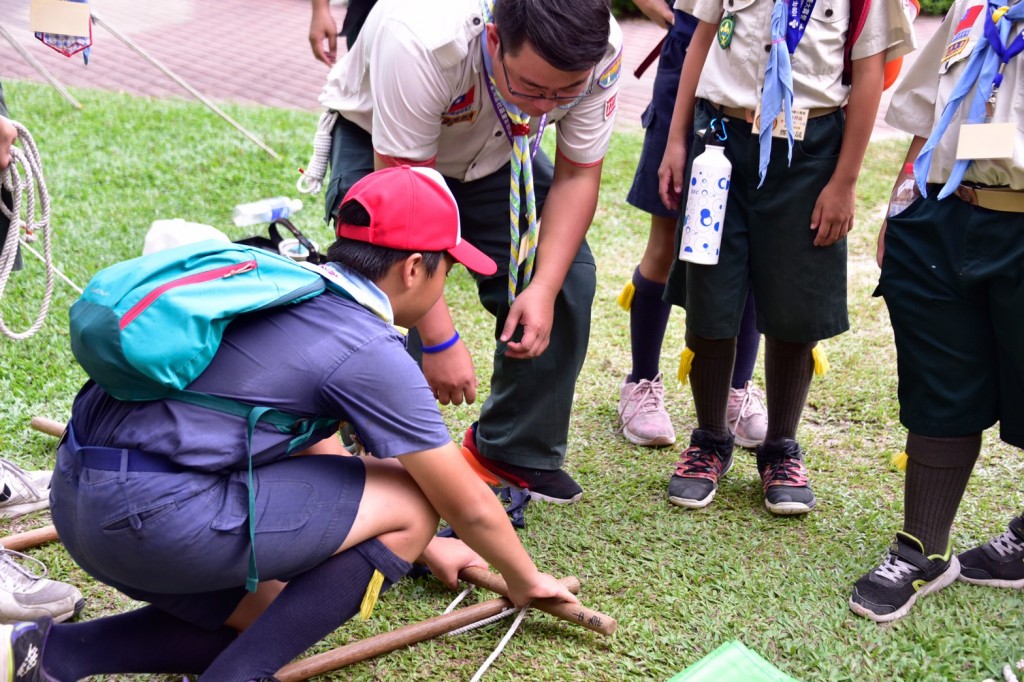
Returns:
(967, 195)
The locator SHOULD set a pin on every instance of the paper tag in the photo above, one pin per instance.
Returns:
(59, 17)
(779, 124)
(986, 141)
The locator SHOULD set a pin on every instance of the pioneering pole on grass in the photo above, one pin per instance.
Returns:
(437, 626)
(180, 81)
(34, 63)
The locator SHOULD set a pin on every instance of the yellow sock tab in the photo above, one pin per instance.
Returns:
(899, 460)
(685, 363)
(625, 299)
(820, 360)
(372, 592)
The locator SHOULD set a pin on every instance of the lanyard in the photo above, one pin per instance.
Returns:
(501, 108)
(1005, 52)
(799, 15)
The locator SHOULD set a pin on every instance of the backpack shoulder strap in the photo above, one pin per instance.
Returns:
(858, 17)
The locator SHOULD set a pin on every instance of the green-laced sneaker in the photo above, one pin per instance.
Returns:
(887, 592)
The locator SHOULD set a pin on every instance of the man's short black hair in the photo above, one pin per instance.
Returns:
(371, 261)
(571, 35)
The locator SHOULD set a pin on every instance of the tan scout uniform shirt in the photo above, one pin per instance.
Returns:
(415, 79)
(922, 95)
(734, 76)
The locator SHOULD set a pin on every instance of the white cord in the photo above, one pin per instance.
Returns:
(312, 179)
(520, 614)
(501, 645)
(26, 188)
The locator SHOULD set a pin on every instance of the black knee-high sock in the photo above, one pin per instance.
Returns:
(937, 473)
(709, 378)
(788, 370)
(146, 640)
(747, 344)
(648, 317)
(309, 608)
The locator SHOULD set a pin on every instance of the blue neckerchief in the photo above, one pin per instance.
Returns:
(983, 70)
(778, 85)
(358, 288)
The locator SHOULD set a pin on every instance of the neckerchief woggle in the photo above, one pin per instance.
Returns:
(517, 129)
(789, 22)
(986, 64)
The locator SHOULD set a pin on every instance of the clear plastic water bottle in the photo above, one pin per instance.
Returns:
(705, 206)
(906, 192)
(265, 211)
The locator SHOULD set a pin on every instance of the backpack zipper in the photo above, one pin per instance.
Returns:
(217, 273)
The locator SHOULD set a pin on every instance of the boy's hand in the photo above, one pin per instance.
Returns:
(322, 28)
(833, 213)
(534, 309)
(542, 586)
(450, 375)
(657, 11)
(671, 174)
(8, 134)
(447, 556)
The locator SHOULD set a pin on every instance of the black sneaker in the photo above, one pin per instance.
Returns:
(888, 592)
(544, 485)
(784, 477)
(21, 651)
(695, 481)
(999, 562)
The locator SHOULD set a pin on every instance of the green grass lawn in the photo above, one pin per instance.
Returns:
(679, 582)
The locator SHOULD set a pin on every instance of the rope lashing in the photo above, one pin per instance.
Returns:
(520, 615)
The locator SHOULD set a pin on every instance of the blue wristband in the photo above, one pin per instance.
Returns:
(441, 346)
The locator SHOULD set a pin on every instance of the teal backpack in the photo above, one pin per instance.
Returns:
(145, 328)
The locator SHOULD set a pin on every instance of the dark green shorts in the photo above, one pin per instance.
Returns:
(767, 244)
(953, 280)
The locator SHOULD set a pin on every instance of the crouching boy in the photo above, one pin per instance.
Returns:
(153, 497)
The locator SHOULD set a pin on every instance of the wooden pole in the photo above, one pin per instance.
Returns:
(396, 639)
(35, 64)
(180, 81)
(48, 426)
(30, 538)
(574, 613)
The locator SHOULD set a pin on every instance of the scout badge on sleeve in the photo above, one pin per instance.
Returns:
(63, 25)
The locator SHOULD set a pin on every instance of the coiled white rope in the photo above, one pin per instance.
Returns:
(312, 179)
(23, 178)
(520, 615)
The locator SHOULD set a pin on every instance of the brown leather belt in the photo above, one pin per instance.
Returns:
(748, 114)
(993, 198)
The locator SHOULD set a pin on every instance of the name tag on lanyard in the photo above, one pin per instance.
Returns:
(990, 140)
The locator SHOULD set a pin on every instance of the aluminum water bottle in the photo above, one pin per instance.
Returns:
(265, 211)
(705, 206)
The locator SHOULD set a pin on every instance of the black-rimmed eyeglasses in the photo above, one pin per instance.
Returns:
(563, 101)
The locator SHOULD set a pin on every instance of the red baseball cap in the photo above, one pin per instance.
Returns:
(412, 209)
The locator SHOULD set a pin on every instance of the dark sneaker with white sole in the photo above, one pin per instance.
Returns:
(886, 593)
(999, 562)
(695, 481)
(21, 651)
(544, 485)
(787, 490)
